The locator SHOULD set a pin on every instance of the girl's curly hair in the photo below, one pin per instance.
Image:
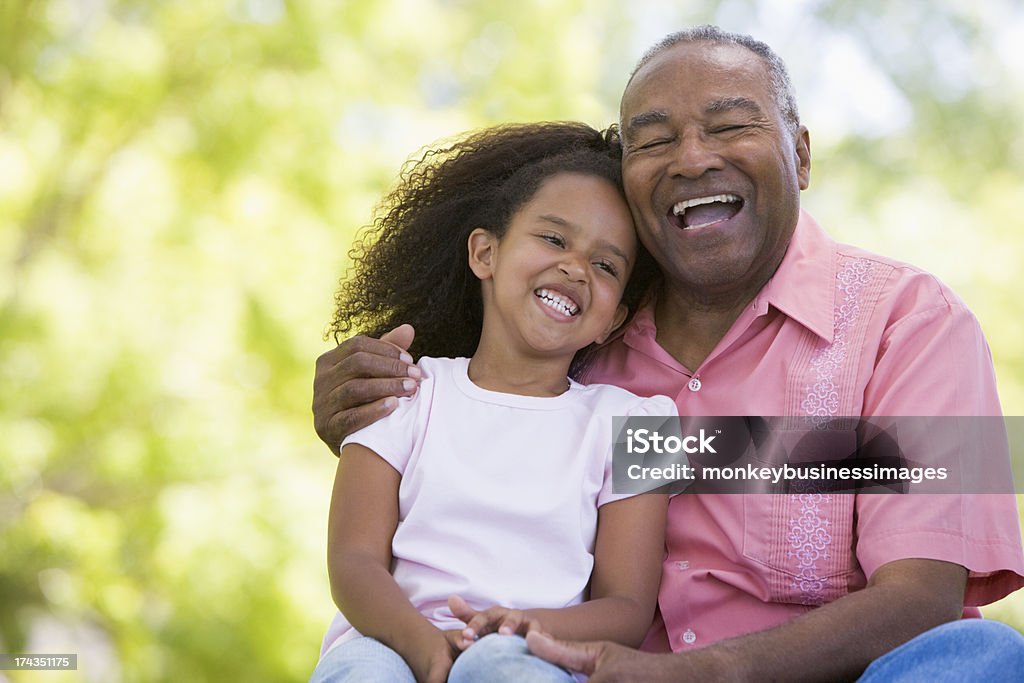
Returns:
(411, 265)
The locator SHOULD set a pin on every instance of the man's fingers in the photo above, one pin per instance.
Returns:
(580, 657)
(354, 419)
(360, 344)
(374, 357)
(355, 403)
(359, 392)
(401, 336)
(370, 364)
(347, 378)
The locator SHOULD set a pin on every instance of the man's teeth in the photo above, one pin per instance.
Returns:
(561, 304)
(680, 208)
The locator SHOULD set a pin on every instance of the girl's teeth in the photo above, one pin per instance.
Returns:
(556, 302)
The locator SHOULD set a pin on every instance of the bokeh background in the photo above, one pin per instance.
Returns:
(180, 183)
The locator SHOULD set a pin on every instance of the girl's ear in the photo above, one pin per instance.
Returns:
(620, 317)
(481, 245)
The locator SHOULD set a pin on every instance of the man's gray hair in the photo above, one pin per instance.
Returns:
(781, 86)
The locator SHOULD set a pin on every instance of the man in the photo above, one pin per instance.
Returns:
(760, 313)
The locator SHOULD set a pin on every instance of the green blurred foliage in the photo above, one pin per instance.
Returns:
(179, 185)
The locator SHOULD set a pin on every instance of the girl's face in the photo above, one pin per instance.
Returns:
(554, 281)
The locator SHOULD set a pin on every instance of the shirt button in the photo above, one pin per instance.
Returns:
(689, 637)
(694, 384)
(682, 564)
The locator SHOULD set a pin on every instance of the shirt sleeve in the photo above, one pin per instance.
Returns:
(936, 362)
(655, 406)
(394, 436)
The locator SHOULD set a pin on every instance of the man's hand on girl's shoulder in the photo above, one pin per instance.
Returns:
(358, 382)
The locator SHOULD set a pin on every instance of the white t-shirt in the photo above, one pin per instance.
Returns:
(499, 493)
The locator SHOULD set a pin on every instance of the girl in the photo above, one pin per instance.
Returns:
(483, 505)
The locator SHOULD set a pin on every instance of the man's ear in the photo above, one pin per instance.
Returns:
(803, 157)
(481, 245)
(618, 319)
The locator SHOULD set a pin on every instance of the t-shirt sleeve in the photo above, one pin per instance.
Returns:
(394, 436)
(655, 406)
(936, 362)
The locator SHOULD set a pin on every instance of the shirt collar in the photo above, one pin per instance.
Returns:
(803, 287)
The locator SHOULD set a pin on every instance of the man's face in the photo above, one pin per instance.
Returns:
(712, 173)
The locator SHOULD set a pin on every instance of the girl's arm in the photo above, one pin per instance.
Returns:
(361, 526)
(628, 554)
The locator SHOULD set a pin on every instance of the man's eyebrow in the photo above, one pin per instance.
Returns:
(647, 118)
(558, 220)
(738, 102)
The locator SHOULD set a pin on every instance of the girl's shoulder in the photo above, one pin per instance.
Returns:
(433, 366)
(437, 377)
(618, 401)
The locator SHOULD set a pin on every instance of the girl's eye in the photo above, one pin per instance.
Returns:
(553, 239)
(608, 267)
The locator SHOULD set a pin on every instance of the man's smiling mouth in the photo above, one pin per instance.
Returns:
(701, 212)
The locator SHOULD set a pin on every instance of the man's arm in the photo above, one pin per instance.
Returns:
(831, 643)
(358, 382)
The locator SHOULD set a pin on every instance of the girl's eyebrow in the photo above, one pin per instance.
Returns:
(558, 220)
(614, 249)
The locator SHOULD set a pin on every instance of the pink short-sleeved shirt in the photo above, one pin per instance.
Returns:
(837, 331)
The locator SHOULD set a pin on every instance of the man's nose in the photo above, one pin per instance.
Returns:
(694, 156)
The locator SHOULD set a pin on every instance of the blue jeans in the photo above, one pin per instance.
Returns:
(494, 658)
(504, 659)
(362, 660)
(957, 652)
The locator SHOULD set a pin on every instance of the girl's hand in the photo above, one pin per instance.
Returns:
(494, 619)
(430, 656)
(455, 641)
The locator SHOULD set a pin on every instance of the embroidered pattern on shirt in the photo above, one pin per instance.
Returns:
(822, 399)
(810, 539)
(808, 534)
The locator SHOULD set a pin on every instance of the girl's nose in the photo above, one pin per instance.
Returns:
(574, 267)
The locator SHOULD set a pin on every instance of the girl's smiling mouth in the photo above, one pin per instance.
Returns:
(558, 301)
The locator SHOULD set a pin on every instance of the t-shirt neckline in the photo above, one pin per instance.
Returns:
(460, 375)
